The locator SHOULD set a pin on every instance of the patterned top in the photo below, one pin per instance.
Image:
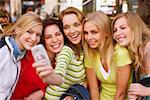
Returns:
(70, 69)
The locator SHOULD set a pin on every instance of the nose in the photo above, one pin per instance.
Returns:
(54, 39)
(118, 32)
(72, 29)
(89, 36)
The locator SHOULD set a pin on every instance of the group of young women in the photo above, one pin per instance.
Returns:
(86, 50)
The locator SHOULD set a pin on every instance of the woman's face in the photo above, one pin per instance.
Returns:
(72, 28)
(54, 40)
(92, 35)
(30, 38)
(121, 32)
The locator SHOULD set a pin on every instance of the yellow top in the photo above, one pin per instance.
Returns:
(108, 79)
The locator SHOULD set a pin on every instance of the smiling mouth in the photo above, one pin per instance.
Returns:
(56, 46)
(74, 36)
(120, 39)
(31, 44)
(91, 42)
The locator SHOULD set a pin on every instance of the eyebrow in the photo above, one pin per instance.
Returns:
(123, 24)
(34, 31)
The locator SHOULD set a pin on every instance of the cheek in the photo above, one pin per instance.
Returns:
(80, 29)
(48, 47)
(47, 42)
(66, 32)
(22, 38)
(61, 38)
(129, 38)
(85, 37)
(38, 39)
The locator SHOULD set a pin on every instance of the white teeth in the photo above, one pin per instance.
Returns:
(55, 46)
(74, 36)
(121, 39)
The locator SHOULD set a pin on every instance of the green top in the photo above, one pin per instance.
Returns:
(70, 69)
(108, 79)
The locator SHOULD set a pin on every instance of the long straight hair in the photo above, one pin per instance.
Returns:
(102, 22)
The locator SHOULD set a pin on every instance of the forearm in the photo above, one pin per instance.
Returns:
(93, 85)
(148, 91)
(120, 96)
(53, 79)
(122, 85)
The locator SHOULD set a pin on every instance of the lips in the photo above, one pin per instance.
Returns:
(75, 36)
(120, 38)
(91, 42)
(56, 46)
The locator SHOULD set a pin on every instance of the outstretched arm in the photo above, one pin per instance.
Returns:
(47, 74)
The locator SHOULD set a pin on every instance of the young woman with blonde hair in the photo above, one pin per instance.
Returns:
(22, 36)
(130, 31)
(111, 65)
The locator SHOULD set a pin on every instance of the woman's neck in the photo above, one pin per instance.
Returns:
(51, 55)
(79, 47)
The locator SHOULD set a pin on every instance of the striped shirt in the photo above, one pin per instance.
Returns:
(70, 69)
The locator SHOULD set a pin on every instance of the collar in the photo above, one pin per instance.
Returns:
(16, 52)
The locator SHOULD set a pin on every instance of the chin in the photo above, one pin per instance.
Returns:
(75, 42)
(93, 47)
(122, 44)
(57, 50)
(28, 47)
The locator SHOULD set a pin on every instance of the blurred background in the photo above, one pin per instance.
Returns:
(51, 8)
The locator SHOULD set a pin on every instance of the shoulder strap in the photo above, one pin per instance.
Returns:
(2, 42)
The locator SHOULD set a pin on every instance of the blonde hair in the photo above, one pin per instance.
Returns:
(25, 22)
(140, 35)
(105, 50)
